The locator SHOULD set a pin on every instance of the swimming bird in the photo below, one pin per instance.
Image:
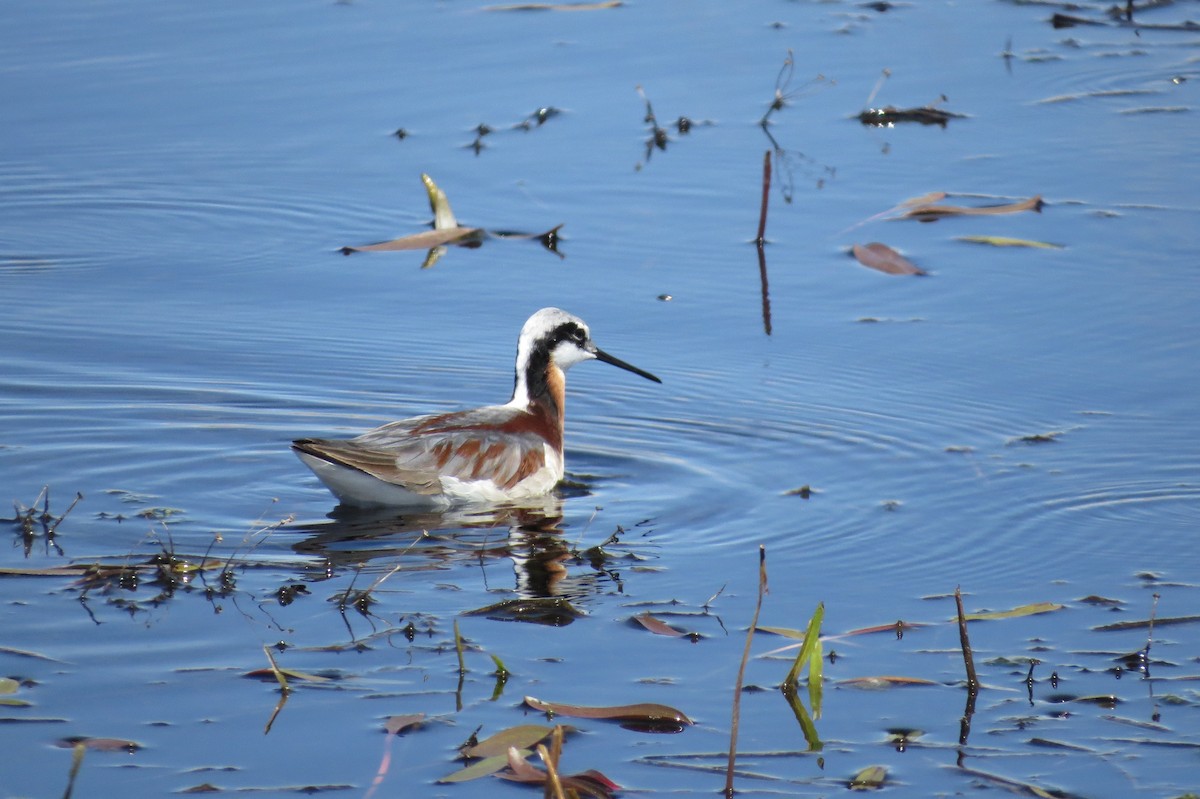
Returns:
(493, 454)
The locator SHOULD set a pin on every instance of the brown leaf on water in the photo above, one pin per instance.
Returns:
(885, 681)
(586, 783)
(660, 627)
(523, 770)
(605, 4)
(273, 674)
(99, 744)
(398, 724)
(894, 627)
(926, 213)
(50, 571)
(424, 241)
(925, 199)
(1133, 625)
(446, 230)
(647, 712)
(884, 259)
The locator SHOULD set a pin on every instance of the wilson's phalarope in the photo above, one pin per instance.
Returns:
(490, 454)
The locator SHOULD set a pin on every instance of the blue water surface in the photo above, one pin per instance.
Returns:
(176, 183)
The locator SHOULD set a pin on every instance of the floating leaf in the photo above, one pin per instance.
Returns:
(926, 213)
(1133, 625)
(483, 768)
(897, 627)
(1027, 787)
(605, 4)
(424, 241)
(885, 681)
(647, 712)
(884, 259)
(925, 199)
(660, 627)
(587, 783)
(398, 724)
(8, 685)
(869, 779)
(890, 115)
(522, 769)
(1036, 438)
(100, 744)
(275, 674)
(1103, 700)
(523, 736)
(786, 632)
(50, 571)
(555, 611)
(1023, 610)
(1005, 241)
(446, 230)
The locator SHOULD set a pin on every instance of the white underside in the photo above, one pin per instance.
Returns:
(354, 487)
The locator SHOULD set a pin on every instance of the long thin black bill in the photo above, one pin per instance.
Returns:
(601, 355)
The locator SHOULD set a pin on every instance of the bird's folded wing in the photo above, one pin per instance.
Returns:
(418, 453)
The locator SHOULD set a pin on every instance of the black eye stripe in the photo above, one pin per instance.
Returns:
(569, 332)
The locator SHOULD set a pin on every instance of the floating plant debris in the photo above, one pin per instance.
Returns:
(1005, 241)
(883, 258)
(889, 115)
(647, 712)
(447, 230)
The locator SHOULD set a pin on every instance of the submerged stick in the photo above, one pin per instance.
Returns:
(737, 689)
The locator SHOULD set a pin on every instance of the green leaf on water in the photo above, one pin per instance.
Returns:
(523, 736)
(8, 685)
(483, 768)
(1005, 241)
(869, 779)
(1023, 610)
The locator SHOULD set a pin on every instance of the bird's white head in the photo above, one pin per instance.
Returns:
(554, 337)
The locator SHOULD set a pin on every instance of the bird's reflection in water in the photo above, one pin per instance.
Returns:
(530, 535)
